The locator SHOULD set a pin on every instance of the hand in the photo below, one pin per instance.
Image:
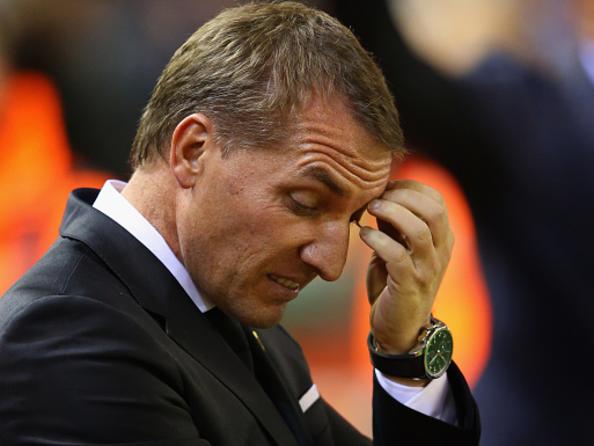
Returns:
(406, 269)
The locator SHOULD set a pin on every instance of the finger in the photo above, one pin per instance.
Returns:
(398, 262)
(426, 208)
(377, 275)
(419, 187)
(415, 232)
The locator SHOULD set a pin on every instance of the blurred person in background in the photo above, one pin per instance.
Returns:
(252, 159)
(502, 94)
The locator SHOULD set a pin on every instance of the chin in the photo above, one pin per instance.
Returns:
(259, 317)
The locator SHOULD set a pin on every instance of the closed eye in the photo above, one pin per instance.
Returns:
(304, 202)
(301, 209)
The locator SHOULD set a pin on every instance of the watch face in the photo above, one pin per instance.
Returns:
(438, 352)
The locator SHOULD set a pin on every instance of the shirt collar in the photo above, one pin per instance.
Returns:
(112, 203)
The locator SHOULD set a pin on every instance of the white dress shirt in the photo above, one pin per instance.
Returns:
(434, 400)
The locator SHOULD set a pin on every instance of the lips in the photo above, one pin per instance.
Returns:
(285, 282)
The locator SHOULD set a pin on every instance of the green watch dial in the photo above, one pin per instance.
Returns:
(438, 352)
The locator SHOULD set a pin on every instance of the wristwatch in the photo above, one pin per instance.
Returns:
(429, 359)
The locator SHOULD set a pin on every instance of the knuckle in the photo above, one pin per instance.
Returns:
(436, 195)
(399, 254)
(421, 234)
(436, 214)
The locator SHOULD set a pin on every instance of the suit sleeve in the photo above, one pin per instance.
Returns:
(70, 377)
(395, 423)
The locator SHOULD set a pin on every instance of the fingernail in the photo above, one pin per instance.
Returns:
(375, 205)
(364, 231)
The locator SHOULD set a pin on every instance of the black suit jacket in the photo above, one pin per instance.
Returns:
(100, 345)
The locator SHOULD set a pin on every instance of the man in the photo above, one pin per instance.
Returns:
(152, 320)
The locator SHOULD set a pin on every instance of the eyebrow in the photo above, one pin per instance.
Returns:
(325, 178)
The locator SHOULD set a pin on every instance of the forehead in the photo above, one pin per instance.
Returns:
(337, 150)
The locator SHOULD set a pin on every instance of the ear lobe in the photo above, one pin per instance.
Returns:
(189, 143)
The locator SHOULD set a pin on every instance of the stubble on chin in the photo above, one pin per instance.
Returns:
(254, 314)
(247, 307)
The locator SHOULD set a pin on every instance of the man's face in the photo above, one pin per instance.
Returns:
(261, 224)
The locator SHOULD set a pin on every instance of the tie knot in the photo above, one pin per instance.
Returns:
(233, 334)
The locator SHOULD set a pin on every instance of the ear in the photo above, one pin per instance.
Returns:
(191, 142)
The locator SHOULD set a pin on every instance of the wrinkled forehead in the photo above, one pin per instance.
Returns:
(328, 137)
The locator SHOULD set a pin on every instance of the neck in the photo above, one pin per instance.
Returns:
(151, 190)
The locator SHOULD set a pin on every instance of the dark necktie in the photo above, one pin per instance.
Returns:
(233, 334)
(268, 378)
(252, 353)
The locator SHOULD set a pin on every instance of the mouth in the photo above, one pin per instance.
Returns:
(289, 284)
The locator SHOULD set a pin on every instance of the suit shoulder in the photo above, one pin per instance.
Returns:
(68, 268)
(68, 361)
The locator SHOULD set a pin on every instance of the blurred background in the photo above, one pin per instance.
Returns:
(496, 100)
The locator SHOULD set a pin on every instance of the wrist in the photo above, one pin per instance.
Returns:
(429, 359)
(401, 343)
(404, 344)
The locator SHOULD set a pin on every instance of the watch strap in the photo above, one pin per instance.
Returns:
(407, 365)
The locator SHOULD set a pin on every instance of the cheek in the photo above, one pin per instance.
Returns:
(241, 228)
(255, 213)
(262, 235)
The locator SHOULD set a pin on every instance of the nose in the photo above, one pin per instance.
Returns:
(326, 252)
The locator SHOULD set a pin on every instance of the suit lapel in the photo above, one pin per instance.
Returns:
(153, 286)
(277, 389)
(198, 338)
